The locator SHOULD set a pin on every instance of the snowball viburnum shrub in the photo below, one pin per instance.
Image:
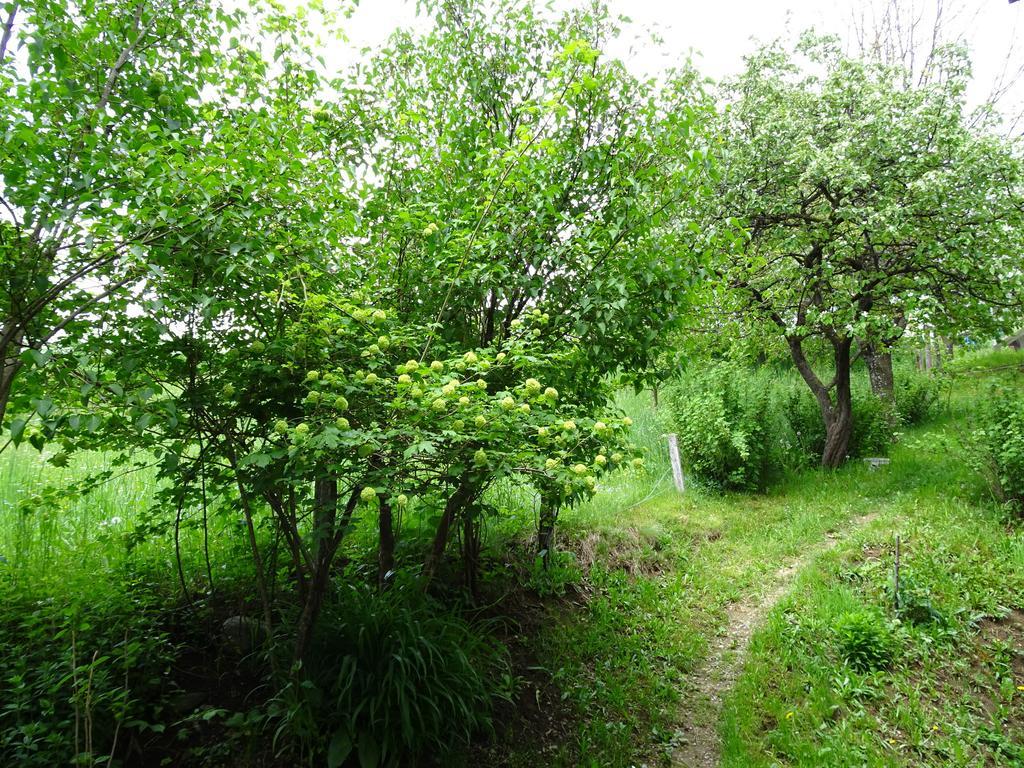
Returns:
(341, 399)
(551, 442)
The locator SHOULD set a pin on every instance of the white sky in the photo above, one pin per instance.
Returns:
(721, 32)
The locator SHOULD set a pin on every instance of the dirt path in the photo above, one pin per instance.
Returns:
(697, 740)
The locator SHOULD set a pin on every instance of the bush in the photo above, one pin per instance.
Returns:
(865, 640)
(393, 679)
(727, 435)
(917, 396)
(914, 602)
(739, 427)
(995, 447)
(873, 422)
(78, 676)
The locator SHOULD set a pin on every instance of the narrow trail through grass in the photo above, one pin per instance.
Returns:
(667, 583)
(699, 744)
(707, 629)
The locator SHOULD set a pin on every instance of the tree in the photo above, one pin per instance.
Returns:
(425, 286)
(918, 37)
(866, 203)
(103, 120)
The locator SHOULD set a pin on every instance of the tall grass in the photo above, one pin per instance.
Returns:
(649, 425)
(985, 360)
(52, 535)
(43, 531)
(627, 488)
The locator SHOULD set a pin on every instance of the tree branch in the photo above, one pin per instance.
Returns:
(8, 29)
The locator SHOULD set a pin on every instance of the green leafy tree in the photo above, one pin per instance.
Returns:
(867, 204)
(421, 288)
(103, 122)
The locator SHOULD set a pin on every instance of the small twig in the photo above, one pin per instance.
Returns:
(124, 706)
(206, 526)
(88, 705)
(177, 549)
(74, 697)
(896, 576)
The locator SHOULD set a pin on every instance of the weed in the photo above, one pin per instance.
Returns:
(865, 640)
(391, 677)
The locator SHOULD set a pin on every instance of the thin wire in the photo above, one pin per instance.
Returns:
(649, 496)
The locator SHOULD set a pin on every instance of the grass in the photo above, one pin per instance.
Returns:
(954, 694)
(658, 577)
(56, 540)
(980, 361)
(43, 532)
(644, 581)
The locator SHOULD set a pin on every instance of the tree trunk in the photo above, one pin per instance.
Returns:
(458, 500)
(837, 415)
(879, 362)
(7, 373)
(546, 533)
(386, 551)
(326, 533)
(9, 370)
(471, 553)
(838, 430)
(310, 612)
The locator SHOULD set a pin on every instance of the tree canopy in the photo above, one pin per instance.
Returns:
(374, 294)
(866, 206)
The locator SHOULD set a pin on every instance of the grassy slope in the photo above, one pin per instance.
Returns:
(661, 574)
(954, 695)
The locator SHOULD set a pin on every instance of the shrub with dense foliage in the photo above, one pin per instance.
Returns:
(995, 446)
(740, 427)
(74, 674)
(917, 395)
(729, 432)
(865, 639)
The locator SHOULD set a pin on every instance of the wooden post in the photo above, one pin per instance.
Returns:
(677, 466)
(896, 576)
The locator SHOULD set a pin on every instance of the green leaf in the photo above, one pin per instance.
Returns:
(369, 751)
(39, 359)
(339, 749)
(256, 459)
(17, 430)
